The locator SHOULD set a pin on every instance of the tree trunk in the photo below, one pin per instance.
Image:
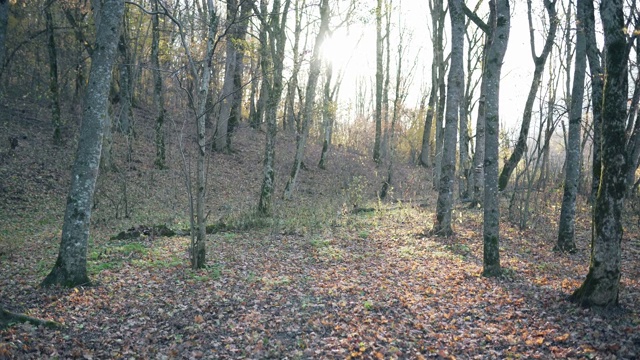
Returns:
(566, 226)
(500, 23)
(309, 103)
(70, 268)
(477, 195)
(477, 190)
(126, 82)
(328, 115)
(597, 85)
(53, 76)
(231, 95)
(158, 93)
(7, 318)
(425, 149)
(439, 141)
(455, 89)
(602, 284)
(258, 116)
(4, 22)
(240, 35)
(539, 61)
(633, 119)
(387, 81)
(198, 248)
(463, 145)
(289, 121)
(272, 63)
(379, 81)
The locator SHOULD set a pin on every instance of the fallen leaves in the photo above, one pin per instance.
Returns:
(274, 294)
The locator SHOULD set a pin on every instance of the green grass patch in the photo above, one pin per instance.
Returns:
(320, 243)
(209, 273)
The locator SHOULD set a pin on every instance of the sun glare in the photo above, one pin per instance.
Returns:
(339, 49)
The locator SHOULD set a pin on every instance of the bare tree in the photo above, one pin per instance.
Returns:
(309, 99)
(272, 62)
(288, 124)
(477, 190)
(498, 40)
(329, 105)
(158, 91)
(539, 62)
(237, 19)
(4, 22)
(379, 84)
(455, 90)
(597, 90)
(70, 268)
(467, 104)
(53, 75)
(566, 226)
(602, 284)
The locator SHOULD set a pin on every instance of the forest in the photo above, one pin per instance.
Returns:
(289, 179)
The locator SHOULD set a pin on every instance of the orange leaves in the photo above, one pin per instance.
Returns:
(561, 338)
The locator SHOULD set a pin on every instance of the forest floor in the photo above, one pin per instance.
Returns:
(316, 280)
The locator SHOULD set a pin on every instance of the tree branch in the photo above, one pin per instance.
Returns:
(476, 20)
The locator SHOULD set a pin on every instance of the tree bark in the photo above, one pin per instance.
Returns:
(425, 149)
(566, 226)
(289, 121)
(328, 114)
(539, 61)
(379, 82)
(70, 268)
(602, 284)
(597, 85)
(455, 89)
(633, 119)
(7, 318)
(272, 63)
(53, 76)
(499, 38)
(477, 190)
(198, 247)
(386, 83)
(231, 88)
(4, 22)
(158, 92)
(126, 83)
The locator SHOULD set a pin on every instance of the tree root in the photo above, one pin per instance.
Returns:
(7, 318)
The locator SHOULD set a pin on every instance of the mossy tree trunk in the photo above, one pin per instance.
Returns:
(499, 38)
(602, 284)
(272, 63)
(566, 226)
(455, 89)
(7, 318)
(70, 268)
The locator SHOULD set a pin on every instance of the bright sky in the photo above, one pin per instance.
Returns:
(354, 50)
